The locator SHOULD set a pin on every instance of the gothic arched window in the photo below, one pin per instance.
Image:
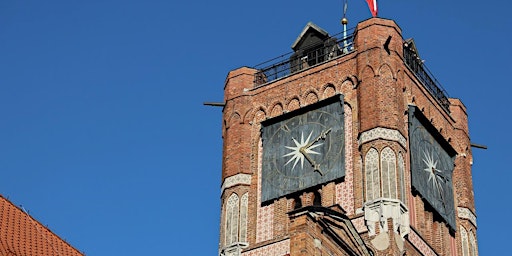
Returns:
(388, 164)
(472, 243)
(401, 176)
(236, 219)
(372, 175)
(244, 202)
(465, 242)
(232, 212)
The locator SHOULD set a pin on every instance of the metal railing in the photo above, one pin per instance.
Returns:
(425, 76)
(294, 62)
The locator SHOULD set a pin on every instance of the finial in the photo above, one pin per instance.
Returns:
(344, 21)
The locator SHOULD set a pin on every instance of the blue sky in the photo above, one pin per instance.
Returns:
(104, 138)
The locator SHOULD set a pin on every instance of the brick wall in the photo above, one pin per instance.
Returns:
(377, 88)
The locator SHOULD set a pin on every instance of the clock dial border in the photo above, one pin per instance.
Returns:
(322, 125)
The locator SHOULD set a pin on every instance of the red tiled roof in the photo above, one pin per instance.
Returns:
(22, 235)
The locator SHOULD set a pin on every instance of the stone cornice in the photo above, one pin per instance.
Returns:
(238, 179)
(382, 133)
(465, 213)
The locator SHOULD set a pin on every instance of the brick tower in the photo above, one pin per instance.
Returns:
(347, 146)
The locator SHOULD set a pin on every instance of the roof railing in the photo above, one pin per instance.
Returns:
(295, 62)
(428, 80)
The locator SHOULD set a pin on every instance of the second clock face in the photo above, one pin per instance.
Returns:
(431, 166)
(302, 149)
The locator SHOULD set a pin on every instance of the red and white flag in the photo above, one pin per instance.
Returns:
(373, 7)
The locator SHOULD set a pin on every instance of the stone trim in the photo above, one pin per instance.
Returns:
(239, 179)
(234, 249)
(420, 244)
(382, 133)
(378, 211)
(467, 214)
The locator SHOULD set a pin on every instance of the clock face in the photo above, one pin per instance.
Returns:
(432, 163)
(303, 148)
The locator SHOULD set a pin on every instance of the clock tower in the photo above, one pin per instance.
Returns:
(346, 146)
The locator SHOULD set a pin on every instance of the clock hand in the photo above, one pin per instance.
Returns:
(438, 186)
(303, 149)
(316, 167)
(321, 136)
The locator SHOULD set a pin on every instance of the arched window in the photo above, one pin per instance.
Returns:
(232, 212)
(465, 243)
(388, 164)
(472, 242)
(236, 219)
(371, 163)
(244, 203)
(401, 176)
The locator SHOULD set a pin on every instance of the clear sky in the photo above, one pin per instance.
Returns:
(104, 138)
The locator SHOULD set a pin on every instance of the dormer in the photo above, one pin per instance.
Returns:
(310, 36)
(313, 46)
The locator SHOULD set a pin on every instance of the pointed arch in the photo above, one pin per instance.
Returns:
(231, 225)
(372, 176)
(328, 90)
(259, 114)
(311, 96)
(472, 244)
(277, 109)
(244, 204)
(293, 104)
(464, 240)
(401, 177)
(388, 165)
(385, 71)
(233, 119)
(367, 72)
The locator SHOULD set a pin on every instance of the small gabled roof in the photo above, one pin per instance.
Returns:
(309, 28)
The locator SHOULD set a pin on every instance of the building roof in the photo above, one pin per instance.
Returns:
(22, 235)
(309, 28)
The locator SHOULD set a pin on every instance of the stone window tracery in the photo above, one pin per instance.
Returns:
(236, 219)
(472, 242)
(232, 214)
(401, 176)
(244, 203)
(372, 174)
(465, 242)
(388, 164)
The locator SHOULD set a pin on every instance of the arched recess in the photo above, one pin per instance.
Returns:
(233, 118)
(367, 72)
(293, 104)
(259, 114)
(277, 109)
(385, 71)
(328, 90)
(388, 165)
(372, 175)
(311, 96)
